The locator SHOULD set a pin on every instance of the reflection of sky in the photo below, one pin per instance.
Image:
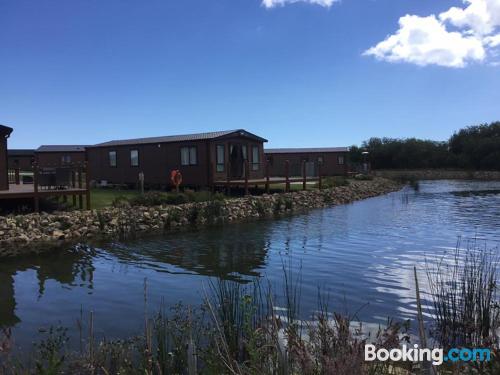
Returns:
(361, 255)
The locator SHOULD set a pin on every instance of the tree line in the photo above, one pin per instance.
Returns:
(474, 147)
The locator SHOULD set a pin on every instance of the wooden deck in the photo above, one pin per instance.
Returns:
(28, 191)
(263, 181)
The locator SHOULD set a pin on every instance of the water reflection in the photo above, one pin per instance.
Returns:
(71, 268)
(237, 255)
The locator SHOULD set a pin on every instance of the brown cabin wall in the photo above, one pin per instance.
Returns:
(330, 166)
(54, 159)
(23, 162)
(4, 176)
(156, 161)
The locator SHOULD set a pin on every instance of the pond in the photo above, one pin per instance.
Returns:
(361, 255)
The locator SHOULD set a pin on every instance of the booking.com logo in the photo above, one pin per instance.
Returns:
(435, 356)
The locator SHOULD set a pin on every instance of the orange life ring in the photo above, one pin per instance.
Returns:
(176, 177)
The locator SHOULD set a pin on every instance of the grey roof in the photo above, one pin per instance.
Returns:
(179, 138)
(21, 152)
(305, 150)
(61, 148)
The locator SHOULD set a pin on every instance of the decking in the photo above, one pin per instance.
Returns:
(28, 191)
(70, 181)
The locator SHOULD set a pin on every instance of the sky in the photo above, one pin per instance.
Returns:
(301, 73)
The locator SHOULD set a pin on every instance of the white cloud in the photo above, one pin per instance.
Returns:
(424, 41)
(455, 38)
(493, 41)
(481, 16)
(275, 3)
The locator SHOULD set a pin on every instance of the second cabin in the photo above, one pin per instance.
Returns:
(202, 159)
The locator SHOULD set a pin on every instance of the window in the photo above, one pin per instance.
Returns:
(244, 151)
(220, 158)
(340, 159)
(66, 159)
(112, 158)
(255, 158)
(320, 159)
(134, 158)
(189, 156)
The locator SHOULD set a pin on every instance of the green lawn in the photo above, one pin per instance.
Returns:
(104, 197)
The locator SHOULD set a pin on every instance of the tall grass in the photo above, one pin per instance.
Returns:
(464, 294)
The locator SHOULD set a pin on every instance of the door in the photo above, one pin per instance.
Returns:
(310, 169)
(236, 160)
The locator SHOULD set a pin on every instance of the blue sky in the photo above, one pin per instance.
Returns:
(300, 73)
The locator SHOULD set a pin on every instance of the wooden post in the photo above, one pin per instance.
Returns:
(247, 172)
(87, 185)
(80, 185)
(73, 185)
(267, 176)
(287, 175)
(35, 187)
(304, 177)
(228, 179)
(18, 179)
(141, 182)
(319, 177)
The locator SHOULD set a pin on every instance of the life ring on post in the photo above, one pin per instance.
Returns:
(176, 178)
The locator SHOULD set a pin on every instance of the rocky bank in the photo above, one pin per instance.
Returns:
(23, 234)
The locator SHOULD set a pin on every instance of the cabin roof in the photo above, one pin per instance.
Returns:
(305, 150)
(61, 148)
(5, 130)
(21, 152)
(181, 138)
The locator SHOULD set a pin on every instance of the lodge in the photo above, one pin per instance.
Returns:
(325, 161)
(203, 159)
(54, 156)
(60, 180)
(21, 159)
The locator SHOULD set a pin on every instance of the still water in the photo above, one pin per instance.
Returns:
(362, 255)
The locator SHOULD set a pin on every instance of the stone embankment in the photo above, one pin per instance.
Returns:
(22, 234)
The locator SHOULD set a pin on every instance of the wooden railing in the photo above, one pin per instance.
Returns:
(267, 179)
(66, 178)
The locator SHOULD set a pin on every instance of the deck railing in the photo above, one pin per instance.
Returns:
(245, 180)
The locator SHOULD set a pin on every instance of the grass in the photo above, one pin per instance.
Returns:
(101, 198)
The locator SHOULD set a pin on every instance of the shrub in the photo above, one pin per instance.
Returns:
(121, 202)
(212, 210)
(150, 198)
(363, 177)
(334, 181)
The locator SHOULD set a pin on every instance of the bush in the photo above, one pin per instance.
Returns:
(150, 198)
(363, 177)
(334, 181)
(121, 202)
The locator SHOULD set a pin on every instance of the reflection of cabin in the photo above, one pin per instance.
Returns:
(52, 156)
(201, 158)
(330, 161)
(5, 132)
(21, 159)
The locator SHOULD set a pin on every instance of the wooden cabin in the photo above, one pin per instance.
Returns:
(330, 161)
(5, 132)
(54, 156)
(201, 158)
(21, 159)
